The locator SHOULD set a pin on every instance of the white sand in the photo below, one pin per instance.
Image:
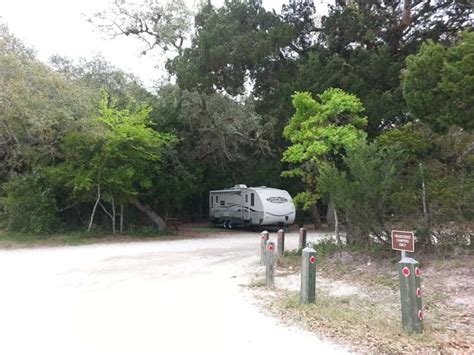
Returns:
(170, 297)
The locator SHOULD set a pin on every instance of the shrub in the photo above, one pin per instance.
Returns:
(29, 205)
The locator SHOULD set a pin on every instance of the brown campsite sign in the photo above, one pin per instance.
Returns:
(403, 240)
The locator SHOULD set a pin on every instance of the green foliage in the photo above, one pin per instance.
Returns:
(439, 82)
(118, 158)
(98, 76)
(222, 142)
(230, 41)
(415, 140)
(363, 188)
(371, 75)
(120, 152)
(444, 164)
(450, 177)
(325, 248)
(37, 107)
(362, 46)
(29, 205)
(321, 131)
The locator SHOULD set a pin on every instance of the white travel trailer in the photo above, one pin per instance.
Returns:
(251, 206)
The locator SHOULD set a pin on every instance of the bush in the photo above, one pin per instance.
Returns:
(29, 205)
(325, 248)
(362, 189)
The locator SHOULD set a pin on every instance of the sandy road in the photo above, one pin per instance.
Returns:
(160, 297)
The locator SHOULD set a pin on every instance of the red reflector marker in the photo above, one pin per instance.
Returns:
(417, 272)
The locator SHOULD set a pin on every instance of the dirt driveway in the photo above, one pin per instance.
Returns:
(161, 297)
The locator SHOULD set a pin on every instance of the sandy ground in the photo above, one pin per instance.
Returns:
(162, 297)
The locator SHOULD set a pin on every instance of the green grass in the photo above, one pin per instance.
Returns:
(16, 239)
(204, 229)
(257, 283)
(352, 319)
(387, 281)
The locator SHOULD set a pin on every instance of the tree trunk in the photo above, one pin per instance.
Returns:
(423, 190)
(426, 215)
(157, 220)
(350, 233)
(110, 214)
(113, 216)
(330, 218)
(94, 209)
(121, 218)
(336, 229)
(316, 217)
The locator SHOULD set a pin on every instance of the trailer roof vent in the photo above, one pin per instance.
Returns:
(240, 186)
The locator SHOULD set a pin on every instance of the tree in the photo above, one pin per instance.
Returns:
(439, 83)
(222, 142)
(321, 131)
(37, 107)
(99, 76)
(156, 25)
(114, 162)
(400, 25)
(362, 46)
(363, 190)
(229, 46)
(30, 204)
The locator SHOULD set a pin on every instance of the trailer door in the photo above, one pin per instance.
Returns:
(246, 205)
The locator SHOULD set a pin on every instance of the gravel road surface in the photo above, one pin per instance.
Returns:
(161, 297)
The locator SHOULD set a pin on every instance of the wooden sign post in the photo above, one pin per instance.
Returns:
(280, 242)
(264, 236)
(302, 239)
(270, 264)
(410, 282)
(308, 276)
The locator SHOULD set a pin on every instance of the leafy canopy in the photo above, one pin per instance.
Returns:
(37, 107)
(364, 189)
(321, 131)
(120, 154)
(29, 204)
(439, 84)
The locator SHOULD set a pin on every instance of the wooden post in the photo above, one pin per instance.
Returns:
(410, 295)
(281, 242)
(308, 276)
(270, 262)
(264, 236)
(302, 239)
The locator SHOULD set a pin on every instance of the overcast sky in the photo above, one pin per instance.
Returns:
(60, 27)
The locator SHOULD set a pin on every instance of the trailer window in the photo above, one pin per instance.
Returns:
(217, 198)
(252, 199)
(246, 198)
(222, 203)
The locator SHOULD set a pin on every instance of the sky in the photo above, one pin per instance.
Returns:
(60, 27)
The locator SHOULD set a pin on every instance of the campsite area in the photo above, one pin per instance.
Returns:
(195, 292)
(145, 145)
